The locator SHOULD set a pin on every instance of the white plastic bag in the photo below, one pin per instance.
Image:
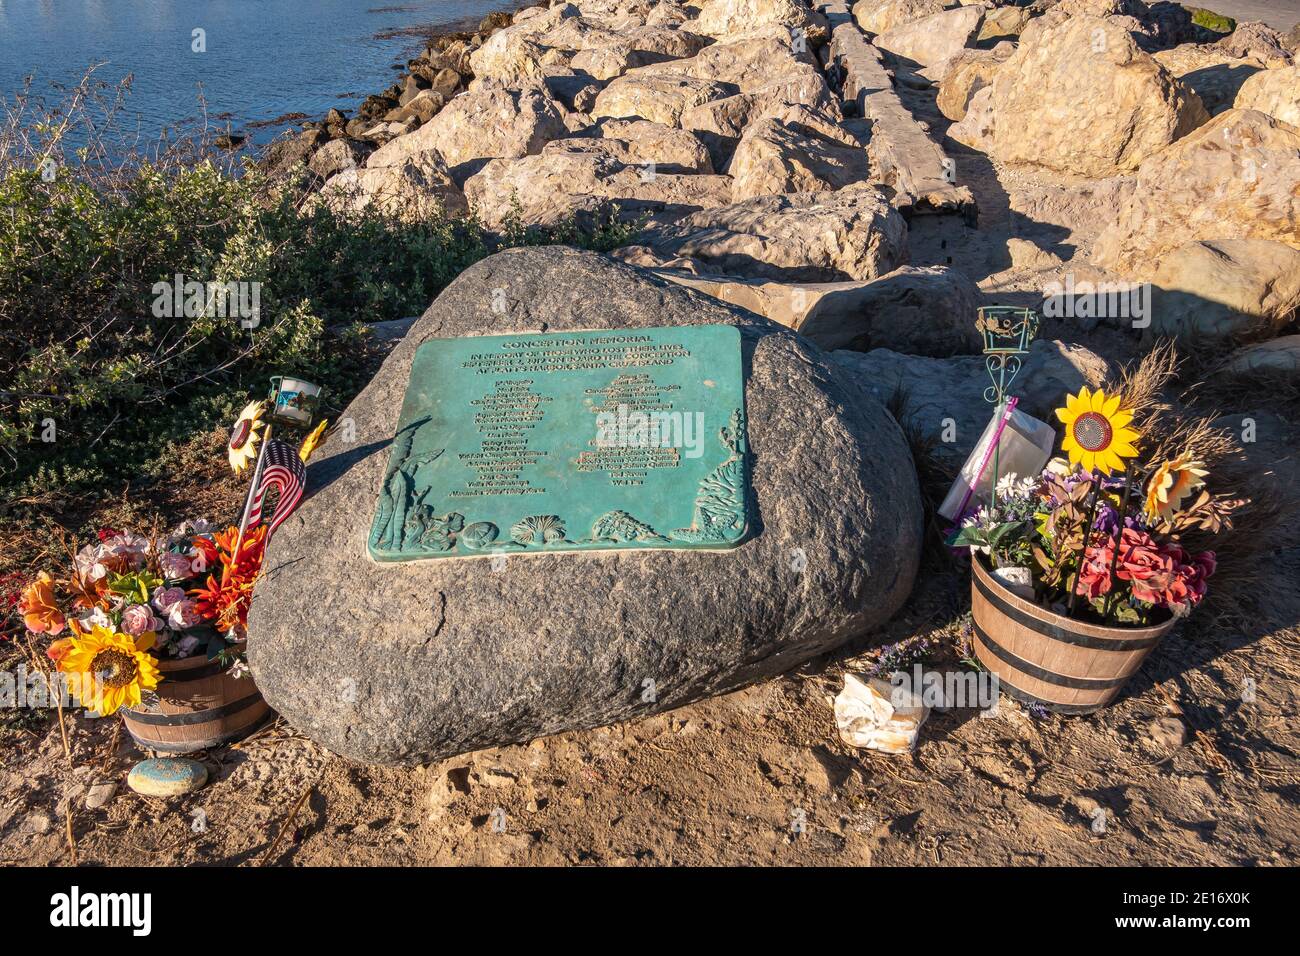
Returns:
(1024, 444)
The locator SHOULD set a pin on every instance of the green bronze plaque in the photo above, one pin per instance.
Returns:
(568, 441)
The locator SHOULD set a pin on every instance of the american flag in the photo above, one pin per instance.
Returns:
(284, 471)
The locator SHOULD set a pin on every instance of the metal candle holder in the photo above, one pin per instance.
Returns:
(1007, 331)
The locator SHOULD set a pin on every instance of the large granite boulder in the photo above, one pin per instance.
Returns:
(553, 186)
(854, 233)
(640, 143)
(918, 310)
(1209, 71)
(1278, 359)
(1238, 176)
(660, 97)
(724, 18)
(934, 39)
(418, 661)
(1082, 98)
(966, 74)
(487, 123)
(802, 152)
(1275, 92)
(887, 14)
(1236, 289)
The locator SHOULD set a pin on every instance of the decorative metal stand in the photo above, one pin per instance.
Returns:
(1007, 331)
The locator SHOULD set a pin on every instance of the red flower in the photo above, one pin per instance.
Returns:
(1094, 574)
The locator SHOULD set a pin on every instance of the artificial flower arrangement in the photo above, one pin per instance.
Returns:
(1112, 532)
(131, 600)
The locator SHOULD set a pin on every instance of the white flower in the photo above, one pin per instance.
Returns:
(1007, 483)
(97, 617)
(238, 669)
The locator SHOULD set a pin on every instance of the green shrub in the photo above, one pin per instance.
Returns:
(99, 373)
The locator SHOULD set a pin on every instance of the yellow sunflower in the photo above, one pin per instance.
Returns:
(1172, 482)
(242, 447)
(111, 668)
(312, 440)
(1097, 432)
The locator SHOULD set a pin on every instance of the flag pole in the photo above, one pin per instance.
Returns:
(248, 502)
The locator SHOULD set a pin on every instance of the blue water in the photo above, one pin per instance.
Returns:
(263, 59)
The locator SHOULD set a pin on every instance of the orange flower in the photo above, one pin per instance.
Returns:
(38, 609)
(58, 650)
(89, 593)
(225, 599)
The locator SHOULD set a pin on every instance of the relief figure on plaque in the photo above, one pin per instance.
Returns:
(397, 494)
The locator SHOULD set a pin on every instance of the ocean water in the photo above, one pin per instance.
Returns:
(262, 59)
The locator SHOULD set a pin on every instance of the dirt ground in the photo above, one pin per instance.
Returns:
(756, 777)
(1198, 762)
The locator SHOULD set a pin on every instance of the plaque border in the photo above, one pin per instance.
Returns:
(720, 518)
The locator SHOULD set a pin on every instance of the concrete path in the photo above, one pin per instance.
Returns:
(1279, 14)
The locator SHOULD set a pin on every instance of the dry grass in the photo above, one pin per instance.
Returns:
(1177, 419)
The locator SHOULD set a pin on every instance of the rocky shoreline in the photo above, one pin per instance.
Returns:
(426, 83)
(845, 169)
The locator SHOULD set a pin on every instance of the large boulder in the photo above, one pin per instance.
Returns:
(725, 18)
(665, 149)
(1277, 359)
(1210, 72)
(639, 47)
(966, 74)
(749, 62)
(943, 398)
(487, 123)
(1275, 92)
(660, 97)
(1257, 41)
(721, 123)
(887, 14)
(1156, 27)
(418, 661)
(800, 153)
(934, 39)
(1238, 289)
(854, 233)
(1239, 176)
(554, 186)
(1083, 99)
(418, 187)
(918, 310)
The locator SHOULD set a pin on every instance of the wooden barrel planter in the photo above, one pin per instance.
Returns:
(1066, 665)
(199, 705)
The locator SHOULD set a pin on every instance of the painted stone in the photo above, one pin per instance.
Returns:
(569, 441)
(167, 776)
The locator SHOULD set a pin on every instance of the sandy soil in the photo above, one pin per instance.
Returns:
(728, 781)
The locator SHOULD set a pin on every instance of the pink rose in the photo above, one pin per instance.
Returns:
(181, 615)
(138, 619)
(164, 598)
(175, 566)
